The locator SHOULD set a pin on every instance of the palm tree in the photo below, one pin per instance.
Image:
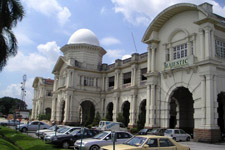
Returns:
(11, 11)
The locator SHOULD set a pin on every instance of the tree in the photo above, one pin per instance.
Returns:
(11, 11)
(120, 118)
(97, 119)
(9, 105)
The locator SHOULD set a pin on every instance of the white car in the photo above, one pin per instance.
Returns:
(177, 134)
(102, 139)
(32, 126)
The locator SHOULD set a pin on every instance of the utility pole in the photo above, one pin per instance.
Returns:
(23, 91)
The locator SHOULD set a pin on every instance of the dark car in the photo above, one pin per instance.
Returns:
(143, 131)
(157, 131)
(68, 140)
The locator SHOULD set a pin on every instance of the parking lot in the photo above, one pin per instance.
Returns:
(193, 145)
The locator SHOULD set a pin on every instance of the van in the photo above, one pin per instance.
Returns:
(112, 126)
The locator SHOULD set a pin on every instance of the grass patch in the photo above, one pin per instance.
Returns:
(22, 141)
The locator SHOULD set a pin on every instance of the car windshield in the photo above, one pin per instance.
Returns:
(168, 131)
(63, 130)
(154, 131)
(52, 128)
(143, 130)
(75, 132)
(101, 135)
(136, 141)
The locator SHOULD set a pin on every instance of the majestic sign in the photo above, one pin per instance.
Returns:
(178, 63)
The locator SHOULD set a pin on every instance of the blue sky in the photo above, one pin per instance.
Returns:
(48, 25)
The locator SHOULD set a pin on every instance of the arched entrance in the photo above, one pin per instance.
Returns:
(62, 111)
(48, 113)
(126, 112)
(182, 110)
(142, 115)
(109, 113)
(221, 111)
(87, 112)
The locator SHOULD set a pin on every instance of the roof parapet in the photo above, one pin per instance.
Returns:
(207, 7)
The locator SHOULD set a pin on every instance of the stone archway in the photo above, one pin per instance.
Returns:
(142, 115)
(221, 111)
(126, 112)
(109, 113)
(181, 110)
(87, 112)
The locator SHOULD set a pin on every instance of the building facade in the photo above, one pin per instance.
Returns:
(42, 101)
(178, 83)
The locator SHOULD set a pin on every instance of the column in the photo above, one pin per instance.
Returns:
(207, 42)
(171, 52)
(69, 82)
(103, 83)
(153, 60)
(152, 106)
(209, 100)
(213, 46)
(133, 110)
(149, 60)
(115, 108)
(33, 110)
(188, 48)
(202, 50)
(203, 89)
(133, 77)
(148, 106)
(53, 109)
(117, 78)
(67, 101)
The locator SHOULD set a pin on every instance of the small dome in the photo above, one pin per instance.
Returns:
(83, 36)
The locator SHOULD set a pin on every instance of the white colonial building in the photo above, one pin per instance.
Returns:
(178, 83)
(42, 101)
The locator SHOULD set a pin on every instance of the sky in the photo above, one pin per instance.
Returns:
(48, 25)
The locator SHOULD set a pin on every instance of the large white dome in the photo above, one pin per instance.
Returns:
(83, 36)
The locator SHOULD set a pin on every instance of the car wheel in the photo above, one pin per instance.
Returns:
(24, 129)
(174, 138)
(94, 147)
(188, 139)
(65, 145)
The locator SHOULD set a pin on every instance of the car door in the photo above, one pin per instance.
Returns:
(183, 135)
(166, 144)
(33, 126)
(122, 137)
(177, 135)
(153, 144)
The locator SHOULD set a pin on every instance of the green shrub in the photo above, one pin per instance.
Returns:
(44, 117)
(133, 130)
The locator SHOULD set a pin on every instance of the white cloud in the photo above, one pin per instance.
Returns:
(117, 54)
(42, 61)
(109, 41)
(50, 8)
(102, 11)
(14, 90)
(143, 11)
(23, 39)
(126, 56)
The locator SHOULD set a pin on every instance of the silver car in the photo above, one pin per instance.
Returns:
(52, 129)
(102, 139)
(32, 126)
(177, 134)
(49, 137)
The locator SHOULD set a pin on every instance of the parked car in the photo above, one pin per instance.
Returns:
(102, 139)
(157, 131)
(32, 126)
(65, 130)
(11, 123)
(146, 142)
(52, 129)
(177, 134)
(68, 140)
(143, 131)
